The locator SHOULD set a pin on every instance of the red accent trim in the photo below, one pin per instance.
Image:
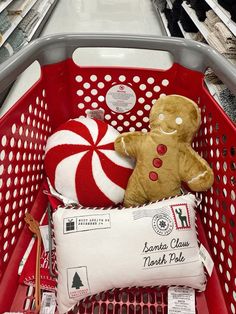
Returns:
(102, 130)
(117, 174)
(87, 190)
(56, 154)
(78, 128)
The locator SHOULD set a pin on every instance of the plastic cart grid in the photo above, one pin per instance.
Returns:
(54, 99)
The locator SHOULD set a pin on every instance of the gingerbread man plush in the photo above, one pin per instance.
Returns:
(164, 156)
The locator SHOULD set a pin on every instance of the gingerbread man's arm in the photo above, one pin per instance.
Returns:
(126, 144)
(194, 170)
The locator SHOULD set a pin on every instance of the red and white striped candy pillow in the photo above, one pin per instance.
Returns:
(82, 165)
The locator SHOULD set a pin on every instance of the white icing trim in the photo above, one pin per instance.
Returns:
(124, 147)
(169, 133)
(197, 177)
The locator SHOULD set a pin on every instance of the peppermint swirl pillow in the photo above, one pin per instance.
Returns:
(82, 165)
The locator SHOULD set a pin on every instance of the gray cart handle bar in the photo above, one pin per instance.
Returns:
(52, 49)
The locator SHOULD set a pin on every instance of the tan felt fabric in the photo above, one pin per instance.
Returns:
(164, 156)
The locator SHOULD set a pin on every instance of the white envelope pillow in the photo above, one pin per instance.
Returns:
(152, 245)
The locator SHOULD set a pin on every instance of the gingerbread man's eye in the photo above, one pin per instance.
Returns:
(161, 116)
(178, 120)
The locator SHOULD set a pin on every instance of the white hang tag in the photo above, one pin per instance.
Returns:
(95, 114)
(181, 300)
(48, 305)
(206, 259)
(45, 237)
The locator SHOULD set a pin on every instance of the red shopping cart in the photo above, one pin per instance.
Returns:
(66, 90)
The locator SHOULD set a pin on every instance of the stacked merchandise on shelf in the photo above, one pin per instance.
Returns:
(5, 23)
(170, 15)
(230, 6)
(198, 37)
(22, 32)
(223, 41)
(29, 21)
(218, 36)
(200, 7)
(177, 14)
(18, 6)
(15, 41)
(172, 25)
(223, 95)
(32, 17)
(186, 22)
(211, 77)
(211, 20)
(227, 101)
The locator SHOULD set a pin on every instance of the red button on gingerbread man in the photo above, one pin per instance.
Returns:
(164, 156)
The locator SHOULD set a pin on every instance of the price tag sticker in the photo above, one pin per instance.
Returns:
(95, 114)
(48, 305)
(181, 300)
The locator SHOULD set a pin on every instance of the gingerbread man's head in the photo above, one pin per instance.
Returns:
(175, 115)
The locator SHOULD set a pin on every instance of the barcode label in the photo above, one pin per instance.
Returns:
(48, 303)
(95, 114)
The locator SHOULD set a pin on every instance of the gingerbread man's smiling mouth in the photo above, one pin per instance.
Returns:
(169, 133)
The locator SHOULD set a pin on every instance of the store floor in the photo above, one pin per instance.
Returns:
(136, 17)
(102, 16)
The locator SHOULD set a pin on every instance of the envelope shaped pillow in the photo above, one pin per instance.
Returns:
(82, 165)
(152, 245)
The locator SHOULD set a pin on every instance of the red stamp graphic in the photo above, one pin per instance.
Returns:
(181, 216)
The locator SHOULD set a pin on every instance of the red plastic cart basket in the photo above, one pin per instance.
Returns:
(66, 90)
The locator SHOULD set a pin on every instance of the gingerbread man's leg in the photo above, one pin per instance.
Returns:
(134, 194)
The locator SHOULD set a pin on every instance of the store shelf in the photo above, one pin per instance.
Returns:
(164, 20)
(200, 25)
(223, 15)
(4, 4)
(15, 20)
(186, 34)
(165, 23)
(20, 7)
(32, 3)
(46, 10)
